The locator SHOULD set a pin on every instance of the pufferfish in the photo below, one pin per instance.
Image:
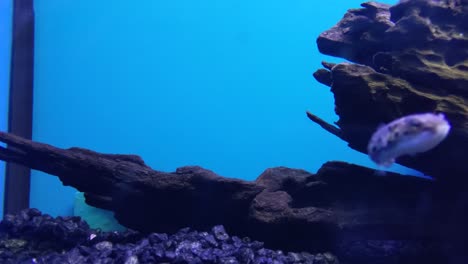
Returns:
(407, 135)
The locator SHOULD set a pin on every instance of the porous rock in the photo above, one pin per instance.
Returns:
(408, 58)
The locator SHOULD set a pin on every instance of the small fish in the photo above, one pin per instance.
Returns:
(407, 135)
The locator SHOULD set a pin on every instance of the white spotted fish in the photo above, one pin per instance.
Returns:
(407, 135)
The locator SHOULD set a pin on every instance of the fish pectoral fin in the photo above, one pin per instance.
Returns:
(387, 163)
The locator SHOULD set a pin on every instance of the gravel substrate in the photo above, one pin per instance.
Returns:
(33, 237)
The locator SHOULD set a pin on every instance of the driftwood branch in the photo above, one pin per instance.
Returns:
(329, 210)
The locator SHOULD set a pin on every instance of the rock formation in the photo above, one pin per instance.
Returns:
(409, 58)
(332, 210)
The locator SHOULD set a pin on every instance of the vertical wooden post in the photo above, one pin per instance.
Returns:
(17, 178)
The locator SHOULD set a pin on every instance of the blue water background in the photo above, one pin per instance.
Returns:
(220, 84)
(5, 54)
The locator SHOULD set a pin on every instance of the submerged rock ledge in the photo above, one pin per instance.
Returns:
(410, 58)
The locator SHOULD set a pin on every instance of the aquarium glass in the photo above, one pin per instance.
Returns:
(5, 48)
